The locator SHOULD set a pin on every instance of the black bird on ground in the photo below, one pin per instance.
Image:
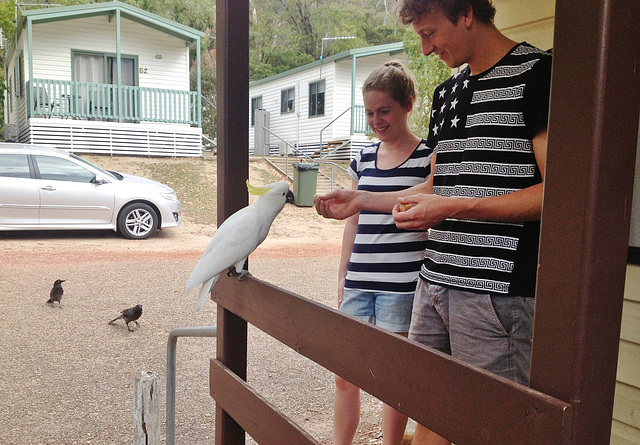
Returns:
(56, 292)
(130, 315)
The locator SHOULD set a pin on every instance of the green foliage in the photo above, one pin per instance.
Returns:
(208, 88)
(288, 33)
(430, 72)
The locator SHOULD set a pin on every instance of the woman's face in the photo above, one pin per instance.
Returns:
(386, 117)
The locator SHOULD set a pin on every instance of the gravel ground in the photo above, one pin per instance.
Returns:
(68, 376)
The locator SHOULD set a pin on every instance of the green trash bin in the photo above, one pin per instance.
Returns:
(305, 178)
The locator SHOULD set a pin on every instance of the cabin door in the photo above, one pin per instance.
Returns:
(96, 95)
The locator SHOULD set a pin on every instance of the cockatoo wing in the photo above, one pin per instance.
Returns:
(234, 240)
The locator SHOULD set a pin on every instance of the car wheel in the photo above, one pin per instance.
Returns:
(137, 221)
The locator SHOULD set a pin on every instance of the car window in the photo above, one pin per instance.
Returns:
(14, 165)
(58, 169)
(97, 167)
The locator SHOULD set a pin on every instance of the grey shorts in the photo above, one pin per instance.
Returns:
(492, 332)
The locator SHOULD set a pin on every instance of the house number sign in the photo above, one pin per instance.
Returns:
(143, 70)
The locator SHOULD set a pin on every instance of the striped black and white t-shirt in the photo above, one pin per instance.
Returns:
(385, 258)
(482, 129)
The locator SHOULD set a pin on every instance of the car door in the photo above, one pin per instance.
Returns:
(69, 194)
(19, 196)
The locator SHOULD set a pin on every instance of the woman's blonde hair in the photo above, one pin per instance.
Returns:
(396, 79)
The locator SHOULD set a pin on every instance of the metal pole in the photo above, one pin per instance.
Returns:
(172, 344)
(322, 48)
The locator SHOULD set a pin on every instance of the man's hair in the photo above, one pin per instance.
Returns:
(412, 10)
(396, 79)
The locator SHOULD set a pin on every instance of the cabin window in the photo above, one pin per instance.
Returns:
(256, 104)
(316, 98)
(19, 76)
(10, 94)
(103, 68)
(97, 95)
(288, 100)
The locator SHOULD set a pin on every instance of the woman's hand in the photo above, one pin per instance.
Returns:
(338, 204)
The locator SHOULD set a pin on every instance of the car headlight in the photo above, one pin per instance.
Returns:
(170, 196)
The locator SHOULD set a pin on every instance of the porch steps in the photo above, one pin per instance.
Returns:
(343, 151)
(280, 164)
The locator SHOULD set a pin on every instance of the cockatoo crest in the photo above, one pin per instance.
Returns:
(257, 191)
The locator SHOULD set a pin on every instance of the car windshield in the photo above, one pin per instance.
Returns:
(102, 170)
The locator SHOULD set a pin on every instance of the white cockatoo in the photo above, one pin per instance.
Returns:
(237, 237)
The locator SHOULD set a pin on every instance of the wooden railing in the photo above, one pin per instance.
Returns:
(83, 100)
(399, 372)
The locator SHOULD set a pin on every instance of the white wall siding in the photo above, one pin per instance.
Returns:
(162, 63)
(298, 127)
(54, 42)
(625, 428)
(364, 66)
(115, 138)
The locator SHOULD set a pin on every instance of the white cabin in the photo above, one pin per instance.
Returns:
(316, 106)
(103, 78)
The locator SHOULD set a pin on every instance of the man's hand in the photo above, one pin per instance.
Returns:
(338, 204)
(421, 212)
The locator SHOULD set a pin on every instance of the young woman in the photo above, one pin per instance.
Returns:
(380, 263)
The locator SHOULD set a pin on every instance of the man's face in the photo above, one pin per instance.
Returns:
(442, 38)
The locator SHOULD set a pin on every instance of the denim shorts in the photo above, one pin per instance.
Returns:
(490, 331)
(388, 310)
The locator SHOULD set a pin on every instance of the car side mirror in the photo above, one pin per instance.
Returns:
(99, 180)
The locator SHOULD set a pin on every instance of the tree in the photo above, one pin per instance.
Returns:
(430, 72)
(288, 33)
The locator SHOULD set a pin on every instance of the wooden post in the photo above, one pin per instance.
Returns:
(232, 43)
(146, 409)
(592, 142)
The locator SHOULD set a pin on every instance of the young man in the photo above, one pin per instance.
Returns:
(482, 203)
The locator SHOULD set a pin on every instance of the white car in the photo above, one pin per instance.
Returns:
(43, 188)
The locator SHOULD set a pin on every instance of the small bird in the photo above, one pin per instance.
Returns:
(130, 315)
(56, 292)
(237, 237)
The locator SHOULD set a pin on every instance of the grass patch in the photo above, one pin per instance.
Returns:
(195, 190)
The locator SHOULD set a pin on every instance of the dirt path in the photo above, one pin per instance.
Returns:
(68, 376)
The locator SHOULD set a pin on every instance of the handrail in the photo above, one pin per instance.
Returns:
(208, 101)
(300, 154)
(172, 344)
(336, 149)
(211, 141)
(331, 123)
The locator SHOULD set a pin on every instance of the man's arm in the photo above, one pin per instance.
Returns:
(524, 205)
